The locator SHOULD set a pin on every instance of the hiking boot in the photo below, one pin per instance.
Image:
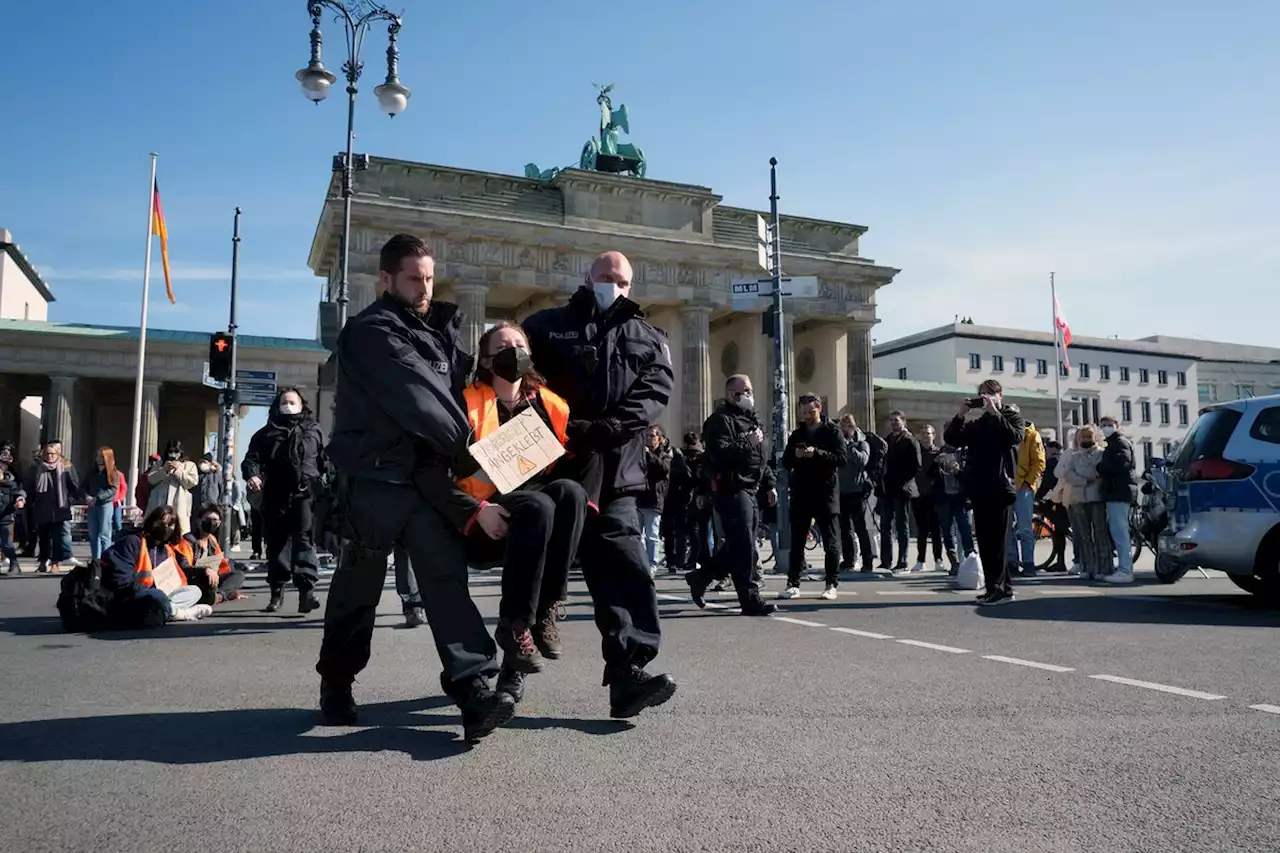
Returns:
(511, 683)
(546, 633)
(632, 691)
(276, 602)
(484, 711)
(697, 589)
(307, 601)
(337, 704)
(516, 641)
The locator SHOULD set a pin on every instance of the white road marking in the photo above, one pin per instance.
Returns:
(855, 632)
(803, 622)
(907, 591)
(1066, 591)
(1269, 709)
(673, 597)
(937, 648)
(1033, 664)
(1163, 688)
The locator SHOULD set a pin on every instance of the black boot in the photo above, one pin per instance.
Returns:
(337, 704)
(510, 682)
(276, 602)
(483, 711)
(307, 600)
(697, 588)
(758, 607)
(633, 690)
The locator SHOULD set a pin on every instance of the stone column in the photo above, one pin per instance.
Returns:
(472, 299)
(861, 388)
(58, 416)
(150, 421)
(694, 370)
(10, 415)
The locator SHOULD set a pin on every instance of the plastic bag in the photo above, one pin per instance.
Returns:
(969, 574)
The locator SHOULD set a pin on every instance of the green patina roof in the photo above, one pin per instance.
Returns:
(130, 333)
(955, 389)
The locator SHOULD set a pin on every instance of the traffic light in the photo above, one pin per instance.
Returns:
(221, 345)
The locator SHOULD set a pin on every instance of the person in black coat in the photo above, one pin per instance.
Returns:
(990, 433)
(285, 462)
(680, 509)
(657, 471)
(12, 500)
(814, 455)
(901, 465)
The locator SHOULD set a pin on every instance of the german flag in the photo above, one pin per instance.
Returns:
(158, 227)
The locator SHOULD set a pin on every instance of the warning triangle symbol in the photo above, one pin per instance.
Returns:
(524, 465)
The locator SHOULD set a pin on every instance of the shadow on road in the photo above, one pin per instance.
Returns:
(1238, 611)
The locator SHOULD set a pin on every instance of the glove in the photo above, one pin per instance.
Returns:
(598, 435)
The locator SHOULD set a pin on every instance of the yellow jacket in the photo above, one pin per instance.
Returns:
(1030, 460)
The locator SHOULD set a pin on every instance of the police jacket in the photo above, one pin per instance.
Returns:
(287, 453)
(614, 370)
(400, 381)
(991, 452)
(815, 482)
(734, 461)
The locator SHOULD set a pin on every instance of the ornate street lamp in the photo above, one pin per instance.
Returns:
(356, 16)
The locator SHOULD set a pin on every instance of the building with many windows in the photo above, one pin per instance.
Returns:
(1149, 386)
(1226, 371)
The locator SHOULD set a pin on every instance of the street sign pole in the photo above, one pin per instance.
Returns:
(782, 559)
(229, 403)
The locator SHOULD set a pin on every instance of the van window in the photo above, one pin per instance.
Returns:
(1208, 436)
(1267, 426)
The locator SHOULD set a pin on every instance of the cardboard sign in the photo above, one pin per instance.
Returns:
(213, 561)
(518, 450)
(166, 578)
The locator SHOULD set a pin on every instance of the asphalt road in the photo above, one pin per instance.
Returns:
(897, 718)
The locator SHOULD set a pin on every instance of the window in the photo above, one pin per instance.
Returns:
(1147, 453)
(1266, 427)
(1042, 367)
(1124, 374)
(1162, 377)
(1183, 414)
(1104, 372)
(1062, 370)
(1164, 414)
(1144, 376)
(1243, 390)
(902, 373)
(997, 364)
(1126, 412)
(1207, 392)
(1019, 365)
(1167, 449)
(1145, 408)
(1182, 379)
(1083, 370)
(1075, 416)
(1097, 406)
(975, 361)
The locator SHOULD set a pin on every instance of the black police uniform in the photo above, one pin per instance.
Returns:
(614, 371)
(815, 495)
(400, 377)
(739, 469)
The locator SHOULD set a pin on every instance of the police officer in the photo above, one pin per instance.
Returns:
(401, 370)
(614, 370)
(736, 459)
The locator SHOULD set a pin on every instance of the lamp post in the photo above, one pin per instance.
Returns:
(356, 16)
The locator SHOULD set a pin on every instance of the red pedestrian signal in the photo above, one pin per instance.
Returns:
(221, 346)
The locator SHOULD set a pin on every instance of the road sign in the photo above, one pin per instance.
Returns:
(747, 291)
(254, 385)
(764, 244)
(210, 382)
(260, 375)
(255, 398)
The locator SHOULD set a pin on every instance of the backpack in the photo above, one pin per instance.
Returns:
(83, 603)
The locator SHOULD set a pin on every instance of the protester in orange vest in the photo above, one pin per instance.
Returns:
(216, 584)
(127, 573)
(534, 530)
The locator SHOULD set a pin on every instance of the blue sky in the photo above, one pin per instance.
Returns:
(1129, 146)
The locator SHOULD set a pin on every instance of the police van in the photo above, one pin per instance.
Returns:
(1224, 496)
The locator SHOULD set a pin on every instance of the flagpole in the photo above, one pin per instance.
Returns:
(135, 463)
(1057, 357)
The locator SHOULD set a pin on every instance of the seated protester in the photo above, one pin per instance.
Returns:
(127, 574)
(217, 584)
(534, 530)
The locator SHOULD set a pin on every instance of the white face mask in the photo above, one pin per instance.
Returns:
(290, 408)
(1108, 430)
(607, 293)
(747, 401)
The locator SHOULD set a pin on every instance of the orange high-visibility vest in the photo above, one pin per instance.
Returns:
(184, 548)
(482, 413)
(143, 566)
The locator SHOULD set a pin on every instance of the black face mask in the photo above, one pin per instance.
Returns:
(209, 525)
(512, 364)
(163, 534)
(1086, 444)
(172, 457)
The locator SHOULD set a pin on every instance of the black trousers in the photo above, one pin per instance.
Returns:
(802, 518)
(992, 526)
(1061, 531)
(378, 516)
(255, 529)
(230, 582)
(737, 556)
(893, 520)
(616, 570)
(928, 527)
(543, 532)
(291, 550)
(853, 522)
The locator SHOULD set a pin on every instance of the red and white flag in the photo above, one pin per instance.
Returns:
(1062, 331)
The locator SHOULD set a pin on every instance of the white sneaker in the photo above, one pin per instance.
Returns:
(829, 593)
(184, 614)
(918, 568)
(790, 592)
(71, 562)
(202, 610)
(1075, 569)
(1118, 578)
(939, 566)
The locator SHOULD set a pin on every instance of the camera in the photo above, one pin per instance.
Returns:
(976, 402)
